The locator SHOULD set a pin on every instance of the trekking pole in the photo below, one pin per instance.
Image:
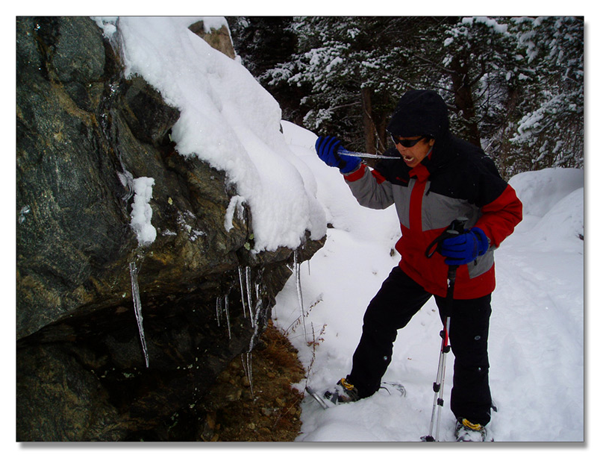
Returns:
(456, 228)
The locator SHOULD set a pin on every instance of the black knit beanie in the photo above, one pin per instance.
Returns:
(420, 112)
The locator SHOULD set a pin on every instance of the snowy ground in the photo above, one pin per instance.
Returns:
(536, 338)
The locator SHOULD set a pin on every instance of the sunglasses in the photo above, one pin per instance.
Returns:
(405, 142)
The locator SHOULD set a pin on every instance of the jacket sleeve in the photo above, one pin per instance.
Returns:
(500, 216)
(370, 188)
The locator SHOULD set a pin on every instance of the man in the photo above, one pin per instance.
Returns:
(440, 178)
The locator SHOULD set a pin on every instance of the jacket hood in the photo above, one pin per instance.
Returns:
(420, 112)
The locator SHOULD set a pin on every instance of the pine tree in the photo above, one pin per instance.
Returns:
(514, 85)
(549, 132)
(356, 68)
(476, 54)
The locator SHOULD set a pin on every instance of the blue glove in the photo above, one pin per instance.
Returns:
(330, 150)
(465, 247)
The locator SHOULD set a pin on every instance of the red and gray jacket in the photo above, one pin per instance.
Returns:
(456, 180)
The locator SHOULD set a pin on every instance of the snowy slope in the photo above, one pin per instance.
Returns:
(536, 336)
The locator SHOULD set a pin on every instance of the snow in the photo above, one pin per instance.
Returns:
(492, 23)
(543, 189)
(141, 211)
(536, 342)
(235, 207)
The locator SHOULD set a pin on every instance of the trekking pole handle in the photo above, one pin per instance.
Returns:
(458, 224)
(455, 228)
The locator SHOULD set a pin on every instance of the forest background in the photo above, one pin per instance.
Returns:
(514, 85)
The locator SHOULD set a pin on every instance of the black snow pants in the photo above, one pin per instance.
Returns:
(398, 300)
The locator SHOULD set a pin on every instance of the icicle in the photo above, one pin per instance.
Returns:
(219, 311)
(137, 303)
(255, 322)
(249, 295)
(242, 290)
(247, 365)
(227, 316)
(299, 290)
(256, 326)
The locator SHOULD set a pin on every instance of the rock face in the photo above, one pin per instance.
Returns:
(218, 39)
(83, 134)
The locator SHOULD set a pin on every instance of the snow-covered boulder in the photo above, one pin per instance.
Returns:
(127, 195)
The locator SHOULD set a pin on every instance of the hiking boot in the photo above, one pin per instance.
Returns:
(469, 432)
(343, 392)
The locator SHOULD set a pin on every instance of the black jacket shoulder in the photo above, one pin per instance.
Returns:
(457, 168)
(463, 171)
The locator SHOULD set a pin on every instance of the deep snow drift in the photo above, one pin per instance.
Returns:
(536, 336)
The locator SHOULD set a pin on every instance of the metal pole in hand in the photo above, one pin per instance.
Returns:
(438, 386)
(456, 228)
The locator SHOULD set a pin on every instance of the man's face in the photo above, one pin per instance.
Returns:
(413, 155)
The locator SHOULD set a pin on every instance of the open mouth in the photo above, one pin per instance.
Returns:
(408, 159)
